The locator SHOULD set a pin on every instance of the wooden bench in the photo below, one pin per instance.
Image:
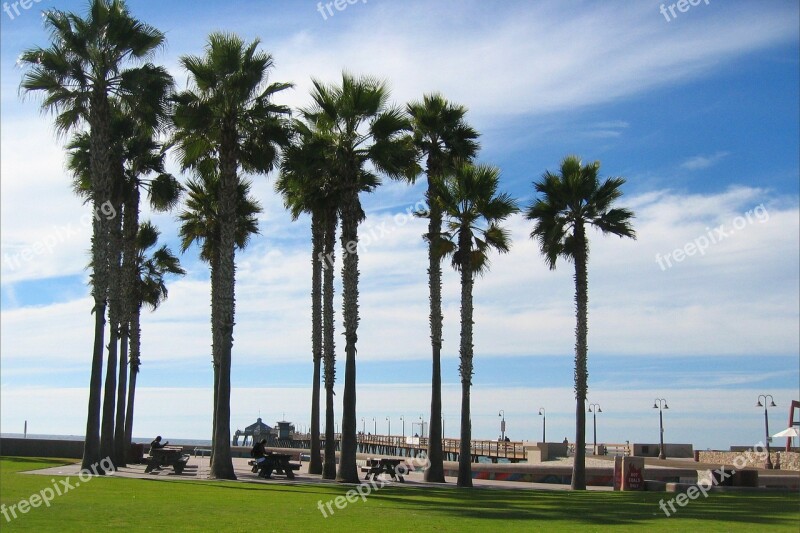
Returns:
(376, 467)
(277, 463)
(167, 456)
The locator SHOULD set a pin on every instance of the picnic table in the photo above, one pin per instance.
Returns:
(383, 465)
(167, 456)
(277, 463)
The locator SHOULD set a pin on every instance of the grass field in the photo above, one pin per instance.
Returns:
(111, 503)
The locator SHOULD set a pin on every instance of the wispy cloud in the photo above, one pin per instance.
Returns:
(700, 162)
(604, 130)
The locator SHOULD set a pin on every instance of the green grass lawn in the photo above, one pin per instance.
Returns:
(140, 505)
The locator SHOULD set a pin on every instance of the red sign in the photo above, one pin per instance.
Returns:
(635, 480)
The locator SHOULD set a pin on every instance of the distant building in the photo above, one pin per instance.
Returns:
(254, 432)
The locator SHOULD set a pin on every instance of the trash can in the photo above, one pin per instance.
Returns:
(136, 453)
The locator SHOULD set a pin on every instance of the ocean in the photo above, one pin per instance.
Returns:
(141, 440)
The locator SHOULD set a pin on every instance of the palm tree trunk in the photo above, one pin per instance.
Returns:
(581, 372)
(120, 455)
(329, 347)
(91, 444)
(130, 227)
(101, 167)
(435, 471)
(136, 346)
(348, 472)
(465, 368)
(222, 466)
(115, 303)
(317, 236)
(110, 389)
(216, 347)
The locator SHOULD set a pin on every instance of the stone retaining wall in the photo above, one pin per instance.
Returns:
(67, 449)
(788, 460)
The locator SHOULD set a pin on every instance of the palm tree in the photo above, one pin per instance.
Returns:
(442, 136)
(473, 210)
(570, 201)
(364, 129)
(305, 186)
(89, 62)
(146, 156)
(149, 289)
(200, 224)
(137, 154)
(228, 117)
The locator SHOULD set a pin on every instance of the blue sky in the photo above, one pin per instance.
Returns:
(699, 114)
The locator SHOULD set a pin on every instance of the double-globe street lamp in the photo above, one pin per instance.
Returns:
(594, 408)
(543, 414)
(768, 461)
(660, 404)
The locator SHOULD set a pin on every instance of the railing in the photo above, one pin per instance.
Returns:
(485, 448)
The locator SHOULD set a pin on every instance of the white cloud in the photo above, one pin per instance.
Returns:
(703, 416)
(738, 298)
(700, 162)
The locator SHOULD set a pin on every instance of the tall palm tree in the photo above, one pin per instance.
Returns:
(330, 221)
(90, 61)
(569, 202)
(305, 185)
(137, 154)
(149, 289)
(227, 115)
(473, 210)
(200, 224)
(364, 129)
(442, 137)
(146, 156)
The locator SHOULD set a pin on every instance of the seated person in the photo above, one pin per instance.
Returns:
(156, 444)
(258, 453)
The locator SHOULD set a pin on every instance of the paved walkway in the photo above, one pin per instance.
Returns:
(198, 468)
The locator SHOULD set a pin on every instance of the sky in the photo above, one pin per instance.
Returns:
(697, 110)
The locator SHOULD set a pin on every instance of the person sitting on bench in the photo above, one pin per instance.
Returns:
(156, 444)
(258, 453)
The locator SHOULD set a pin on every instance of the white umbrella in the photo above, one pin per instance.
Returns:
(788, 432)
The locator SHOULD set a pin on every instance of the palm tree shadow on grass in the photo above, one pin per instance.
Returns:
(595, 508)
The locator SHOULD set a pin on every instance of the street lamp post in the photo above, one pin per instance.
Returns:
(660, 404)
(389, 420)
(768, 462)
(363, 426)
(502, 414)
(404, 427)
(594, 408)
(543, 414)
(375, 426)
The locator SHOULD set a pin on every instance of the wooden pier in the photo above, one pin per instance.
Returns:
(399, 446)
